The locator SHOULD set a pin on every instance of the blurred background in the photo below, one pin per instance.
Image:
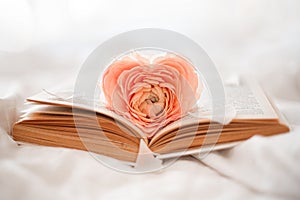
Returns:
(43, 43)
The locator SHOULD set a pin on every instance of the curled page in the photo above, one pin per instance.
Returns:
(146, 160)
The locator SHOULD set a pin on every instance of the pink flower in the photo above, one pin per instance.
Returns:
(151, 95)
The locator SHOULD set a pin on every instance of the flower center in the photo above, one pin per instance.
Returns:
(152, 106)
(150, 101)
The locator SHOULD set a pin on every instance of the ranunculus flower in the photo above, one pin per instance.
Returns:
(154, 94)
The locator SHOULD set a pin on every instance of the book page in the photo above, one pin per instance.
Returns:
(249, 101)
(244, 100)
(65, 99)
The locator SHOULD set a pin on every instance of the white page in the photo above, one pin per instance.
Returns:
(249, 101)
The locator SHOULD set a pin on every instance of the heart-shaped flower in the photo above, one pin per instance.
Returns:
(154, 94)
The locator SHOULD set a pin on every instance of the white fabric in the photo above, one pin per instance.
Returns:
(258, 168)
(44, 43)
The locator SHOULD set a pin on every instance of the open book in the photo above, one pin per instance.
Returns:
(54, 120)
